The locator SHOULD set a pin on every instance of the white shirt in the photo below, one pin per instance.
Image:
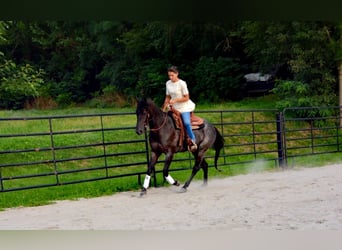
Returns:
(178, 90)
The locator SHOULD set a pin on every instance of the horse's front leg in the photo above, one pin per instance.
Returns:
(150, 169)
(167, 163)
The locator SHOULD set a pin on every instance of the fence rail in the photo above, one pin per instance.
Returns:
(313, 134)
(65, 152)
(50, 151)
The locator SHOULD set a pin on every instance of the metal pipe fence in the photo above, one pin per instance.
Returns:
(60, 150)
(315, 132)
(47, 151)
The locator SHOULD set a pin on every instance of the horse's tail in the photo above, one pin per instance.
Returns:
(218, 145)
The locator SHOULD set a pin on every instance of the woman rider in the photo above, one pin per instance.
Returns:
(177, 95)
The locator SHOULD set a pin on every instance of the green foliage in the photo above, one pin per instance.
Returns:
(82, 58)
(267, 43)
(19, 84)
(299, 94)
(309, 49)
(312, 57)
(110, 98)
(217, 79)
(152, 80)
(3, 25)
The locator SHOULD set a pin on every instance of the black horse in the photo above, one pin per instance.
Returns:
(164, 138)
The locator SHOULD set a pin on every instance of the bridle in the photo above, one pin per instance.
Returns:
(155, 129)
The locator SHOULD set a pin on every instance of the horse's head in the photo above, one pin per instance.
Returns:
(142, 115)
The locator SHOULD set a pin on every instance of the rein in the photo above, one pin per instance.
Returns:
(162, 125)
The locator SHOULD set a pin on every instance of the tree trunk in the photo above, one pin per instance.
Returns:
(340, 91)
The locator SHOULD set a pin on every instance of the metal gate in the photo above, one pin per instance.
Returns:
(311, 131)
(59, 150)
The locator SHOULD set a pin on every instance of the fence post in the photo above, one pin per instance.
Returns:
(53, 151)
(280, 140)
(1, 183)
(104, 146)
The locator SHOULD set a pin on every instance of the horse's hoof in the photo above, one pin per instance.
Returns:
(182, 190)
(143, 192)
(176, 183)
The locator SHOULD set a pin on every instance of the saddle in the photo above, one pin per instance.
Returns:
(196, 123)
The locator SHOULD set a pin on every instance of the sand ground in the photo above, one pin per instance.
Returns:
(294, 199)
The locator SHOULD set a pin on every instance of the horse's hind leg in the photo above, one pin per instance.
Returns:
(195, 169)
(205, 172)
(200, 163)
(193, 173)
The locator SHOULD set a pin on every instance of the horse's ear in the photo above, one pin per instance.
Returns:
(148, 99)
(143, 99)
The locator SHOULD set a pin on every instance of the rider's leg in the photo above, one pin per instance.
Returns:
(187, 125)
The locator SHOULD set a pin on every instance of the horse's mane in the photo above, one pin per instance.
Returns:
(150, 103)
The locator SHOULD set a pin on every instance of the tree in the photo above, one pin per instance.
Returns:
(335, 38)
(19, 84)
(304, 47)
(226, 75)
(86, 59)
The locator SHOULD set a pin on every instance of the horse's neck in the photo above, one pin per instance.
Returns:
(157, 116)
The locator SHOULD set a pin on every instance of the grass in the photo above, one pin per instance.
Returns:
(41, 196)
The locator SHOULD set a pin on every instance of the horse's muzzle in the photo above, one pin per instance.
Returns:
(139, 131)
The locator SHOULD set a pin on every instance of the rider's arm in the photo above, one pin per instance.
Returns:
(166, 102)
(185, 98)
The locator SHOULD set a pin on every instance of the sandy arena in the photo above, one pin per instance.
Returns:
(295, 199)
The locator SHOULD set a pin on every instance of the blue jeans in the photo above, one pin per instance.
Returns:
(187, 124)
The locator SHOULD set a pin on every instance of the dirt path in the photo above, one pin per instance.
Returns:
(296, 199)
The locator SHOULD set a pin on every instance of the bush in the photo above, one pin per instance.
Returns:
(217, 79)
(19, 84)
(109, 99)
(300, 94)
(64, 99)
(41, 102)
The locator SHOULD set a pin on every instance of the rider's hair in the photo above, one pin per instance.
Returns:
(173, 69)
